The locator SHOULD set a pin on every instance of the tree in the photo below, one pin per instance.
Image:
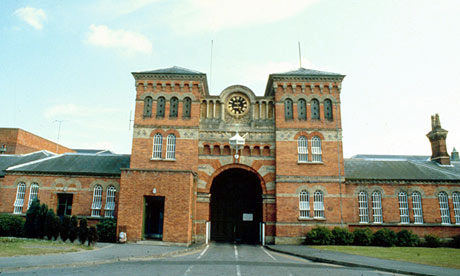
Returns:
(39, 223)
(29, 225)
(50, 224)
(92, 236)
(83, 231)
(65, 226)
(57, 227)
(73, 230)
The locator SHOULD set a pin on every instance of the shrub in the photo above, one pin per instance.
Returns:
(40, 219)
(29, 225)
(73, 229)
(107, 230)
(50, 224)
(362, 236)
(65, 227)
(432, 241)
(407, 238)
(385, 237)
(319, 236)
(92, 236)
(11, 225)
(83, 231)
(455, 242)
(342, 236)
(57, 227)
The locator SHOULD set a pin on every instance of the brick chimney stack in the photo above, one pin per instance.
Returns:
(437, 137)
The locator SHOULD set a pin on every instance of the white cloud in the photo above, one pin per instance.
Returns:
(127, 41)
(34, 17)
(216, 15)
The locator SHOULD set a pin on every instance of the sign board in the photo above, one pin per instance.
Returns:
(247, 217)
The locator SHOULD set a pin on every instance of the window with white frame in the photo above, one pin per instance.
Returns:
(403, 207)
(302, 149)
(417, 207)
(318, 204)
(110, 202)
(157, 146)
(33, 194)
(171, 147)
(304, 204)
(377, 207)
(456, 201)
(316, 154)
(444, 207)
(97, 201)
(20, 195)
(363, 207)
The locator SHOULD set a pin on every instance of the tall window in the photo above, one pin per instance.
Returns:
(328, 109)
(33, 193)
(417, 207)
(403, 207)
(148, 106)
(302, 109)
(316, 154)
(456, 201)
(97, 201)
(302, 149)
(171, 147)
(173, 107)
(315, 109)
(161, 107)
(304, 204)
(318, 204)
(377, 207)
(20, 194)
(363, 207)
(444, 207)
(288, 109)
(157, 146)
(187, 108)
(110, 202)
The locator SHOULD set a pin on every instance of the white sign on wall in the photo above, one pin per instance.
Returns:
(247, 217)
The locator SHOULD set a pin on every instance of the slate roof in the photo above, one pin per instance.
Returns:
(9, 160)
(77, 163)
(306, 72)
(94, 151)
(172, 70)
(398, 167)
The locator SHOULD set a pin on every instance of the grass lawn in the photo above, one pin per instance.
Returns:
(20, 246)
(447, 257)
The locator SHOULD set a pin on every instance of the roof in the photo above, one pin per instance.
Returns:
(94, 151)
(399, 167)
(306, 72)
(10, 160)
(172, 70)
(77, 163)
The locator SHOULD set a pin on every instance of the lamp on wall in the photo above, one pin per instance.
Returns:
(3, 149)
(237, 142)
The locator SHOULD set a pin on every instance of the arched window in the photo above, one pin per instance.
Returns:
(173, 107)
(288, 109)
(456, 201)
(403, 207)
(302, 149)
(315, 109)
(444, 207)
(304, 204)
(328, 109)
(377, 207)
(302, 109)
(363, 207)
(148, 106)
(20, 195)
(110, 202)
(97, 201)
(417, 208)
(161, 107)
(316, 153)
(187, 108)
(318, 204)
(33, 194)
(157, 146)
(171, 147)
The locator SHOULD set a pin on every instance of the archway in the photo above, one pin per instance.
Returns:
(236, 206)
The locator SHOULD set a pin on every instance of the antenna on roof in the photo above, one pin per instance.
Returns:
(59, 134)
(210, 66)
(300, 56)
(130, 120)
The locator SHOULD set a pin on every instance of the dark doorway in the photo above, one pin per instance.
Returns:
(64, 205)
(154, 212)
(236, 207)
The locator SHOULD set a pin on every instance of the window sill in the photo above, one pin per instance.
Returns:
(156, 159)
(310, 218)
(161, 159)
(170, 160)
(310, 162)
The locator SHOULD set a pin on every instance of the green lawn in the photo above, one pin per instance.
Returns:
(446, 257)
(19, 246)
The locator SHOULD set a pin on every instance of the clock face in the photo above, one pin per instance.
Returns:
(238, 104)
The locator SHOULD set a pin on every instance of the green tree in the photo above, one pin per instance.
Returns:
(29, 225)
(107, 230)
(83, 231)
(73, 230)
(92, 236)
(57, 227)
(50, 224)
(65, 226)
(40, 221)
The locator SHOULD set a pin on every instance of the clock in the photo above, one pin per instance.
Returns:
(238, 104)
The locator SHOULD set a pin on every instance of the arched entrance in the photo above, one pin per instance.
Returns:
(236, 206)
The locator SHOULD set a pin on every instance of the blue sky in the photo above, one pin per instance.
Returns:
(72, 61)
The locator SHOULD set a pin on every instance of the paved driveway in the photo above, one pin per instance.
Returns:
(216, 259)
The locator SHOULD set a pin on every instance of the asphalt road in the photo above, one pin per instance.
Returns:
(216, 259)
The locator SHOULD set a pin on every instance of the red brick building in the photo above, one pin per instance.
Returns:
(240, 167)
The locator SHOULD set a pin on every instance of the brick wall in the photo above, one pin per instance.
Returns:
(19, 141)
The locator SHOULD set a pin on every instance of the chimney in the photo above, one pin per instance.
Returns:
(454, 155)
(437, 137)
